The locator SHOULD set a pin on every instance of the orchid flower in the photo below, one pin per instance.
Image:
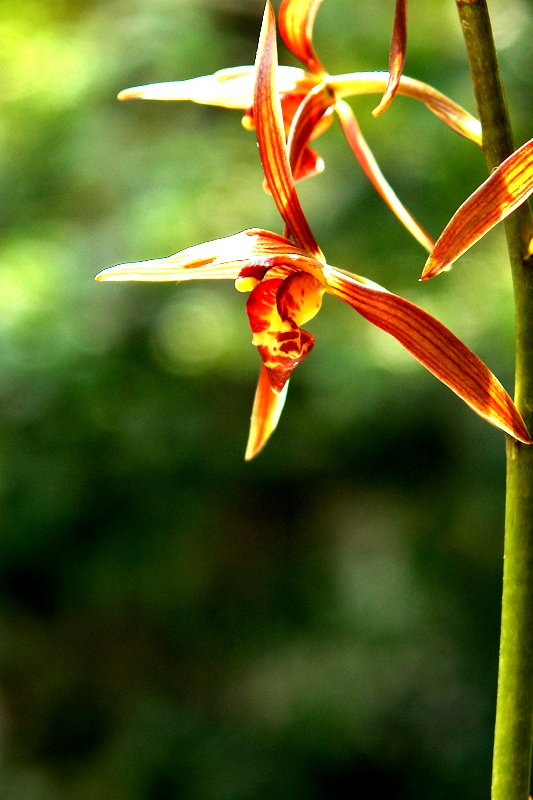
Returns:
(300, 89)
(287, 278)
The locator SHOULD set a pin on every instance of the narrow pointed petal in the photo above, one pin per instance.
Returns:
(508, 186)
(367, 161)
(216, 260)
(266, 412)
(228, 88)
(296, 19)
(445, 109)
(271, 139)
(434, 346)
(312, 117)
(397, 56)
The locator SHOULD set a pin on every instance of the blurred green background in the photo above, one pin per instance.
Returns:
(176, 624)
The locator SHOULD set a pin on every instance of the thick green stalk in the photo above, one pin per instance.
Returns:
(514, 712)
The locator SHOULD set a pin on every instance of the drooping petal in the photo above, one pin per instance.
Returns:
(216, 260)
(445, 109)
(296, 19)
(364, 155)
(281, 343)
(508, 186)
(434, 346)
(271, 139)
(396, 57)
(266, 412)
(228, 88)
(312, 117)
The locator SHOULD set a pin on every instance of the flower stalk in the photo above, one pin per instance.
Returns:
(514, 713)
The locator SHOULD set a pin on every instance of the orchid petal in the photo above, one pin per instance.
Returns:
(508, 186)
(296, 19)
(266, 412)
(299, 297)
(445, 109)
(364, 155)
(434, 346)
(228, 88)
(281, 343)
(312, 117)
(216, 260)
(271, 139)
(397, 56)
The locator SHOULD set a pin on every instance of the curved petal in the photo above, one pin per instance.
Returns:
(266, 412)
(434, 346)
(508, 186)
(271, 139)
(364, 155)
(311, 119)
(216, 260)
(396, 57)
(228, 88)
(296, 19)
(445, 109)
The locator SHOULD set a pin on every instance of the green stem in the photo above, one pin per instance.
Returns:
(514, 711)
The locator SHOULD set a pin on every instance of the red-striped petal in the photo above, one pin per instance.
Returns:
(296, 19)
(434, 346)
(495, 199)
(271, 138)
(396, 57)
(220, 259)
(314, 115)
(370, 166)
(266, 412)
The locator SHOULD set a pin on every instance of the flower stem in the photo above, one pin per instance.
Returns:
(514, 711)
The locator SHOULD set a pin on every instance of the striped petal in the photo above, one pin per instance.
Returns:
(364, 155)
(296, 19)
(220, 259)
(508, 186)
(311, 119)
(396, 57)
(434, 346)
(266, 412)
(271, 139)
(228, 88)
(445, 109)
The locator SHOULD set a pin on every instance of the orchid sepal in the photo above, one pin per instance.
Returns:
(434, 346)
(504, 190)
(396, 58)
(266, 412)
(219, 259)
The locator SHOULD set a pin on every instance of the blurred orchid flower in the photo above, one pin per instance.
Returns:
(507, 187)
(287, 278)
(233, 88)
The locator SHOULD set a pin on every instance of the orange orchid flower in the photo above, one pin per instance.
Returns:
(287, 277)
(315, 89)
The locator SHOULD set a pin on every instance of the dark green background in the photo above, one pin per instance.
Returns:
(176, 624)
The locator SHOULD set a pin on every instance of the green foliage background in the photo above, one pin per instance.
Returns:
(174, 623)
